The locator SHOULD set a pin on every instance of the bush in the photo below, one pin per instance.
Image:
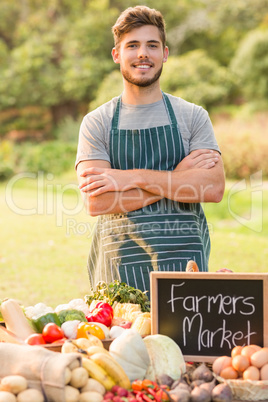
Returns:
(197, 78)
(68, 130)
(50, 157)
(244, 145)
(7, 161)
(111, 86)
(33, 122)
(250, 65)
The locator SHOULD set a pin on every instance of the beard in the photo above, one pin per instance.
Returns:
(141, 82)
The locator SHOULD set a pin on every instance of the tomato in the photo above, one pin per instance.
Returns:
(35, 339)
(162, 395)
(52, 332)
(148, 384)
(102, 313)
(137, 385)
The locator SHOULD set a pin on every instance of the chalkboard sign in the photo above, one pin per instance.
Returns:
(207, 314)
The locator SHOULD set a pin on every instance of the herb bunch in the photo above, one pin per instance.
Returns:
(118, 292)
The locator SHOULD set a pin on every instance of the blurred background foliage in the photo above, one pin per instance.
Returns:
(56, 65)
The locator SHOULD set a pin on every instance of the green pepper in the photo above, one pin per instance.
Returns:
(40, 322)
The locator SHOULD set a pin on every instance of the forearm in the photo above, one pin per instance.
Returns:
(118, 202)
(199, 177)
(194, 185)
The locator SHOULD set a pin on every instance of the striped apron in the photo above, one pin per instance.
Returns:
(163, 236)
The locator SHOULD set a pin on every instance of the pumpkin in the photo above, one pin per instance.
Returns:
(165, 357)
(129, 350)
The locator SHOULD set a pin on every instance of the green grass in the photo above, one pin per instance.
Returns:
(45, 237)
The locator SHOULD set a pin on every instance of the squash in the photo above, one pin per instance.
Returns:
(142, 324)
(15, 319)
(129, 350)
(165, 357)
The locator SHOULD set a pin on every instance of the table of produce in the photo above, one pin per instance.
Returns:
(100, 348)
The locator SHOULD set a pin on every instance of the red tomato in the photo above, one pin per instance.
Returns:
(35, 339)
(102, 313)
(52, 332)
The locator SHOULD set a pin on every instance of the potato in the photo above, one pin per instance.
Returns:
(90, 396)
(74, 364)
(71, 394)
(222, 393)
(79, 377)
(93, 385)
(7, 397)
(13, 383)
(69, 347)
(68, 375)
(30, 395)
(84, 343)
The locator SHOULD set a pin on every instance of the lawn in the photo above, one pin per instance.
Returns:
(45, 236)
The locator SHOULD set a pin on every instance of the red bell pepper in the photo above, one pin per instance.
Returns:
(102, 313)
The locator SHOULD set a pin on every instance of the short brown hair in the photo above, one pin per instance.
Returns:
(135, 17)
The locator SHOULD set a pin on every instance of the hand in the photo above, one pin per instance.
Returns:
(102, 180)
(199, 159)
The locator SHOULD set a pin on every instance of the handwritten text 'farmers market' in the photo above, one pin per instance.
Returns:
(226, 305)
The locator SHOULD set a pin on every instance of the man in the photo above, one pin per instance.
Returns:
(145, 161)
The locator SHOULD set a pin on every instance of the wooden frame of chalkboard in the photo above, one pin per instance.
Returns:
(207, 314)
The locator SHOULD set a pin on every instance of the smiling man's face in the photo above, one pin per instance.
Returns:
(141, 56)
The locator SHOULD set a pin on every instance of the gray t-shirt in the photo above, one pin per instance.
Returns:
(193, 121)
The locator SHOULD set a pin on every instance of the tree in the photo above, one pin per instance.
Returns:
(197, 78)
(250, 65)
(59, 57)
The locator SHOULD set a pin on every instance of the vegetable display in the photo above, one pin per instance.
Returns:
(135, 366)
(39, 322)
(248, 363)
(14, 388)
(15, 319)
(102, 313)
(118, 292)
(130, 352)
(70, 315)
(52, 332)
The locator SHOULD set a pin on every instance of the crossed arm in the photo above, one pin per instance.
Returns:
(199, 177)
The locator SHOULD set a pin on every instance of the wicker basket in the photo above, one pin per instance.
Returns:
(247, 390)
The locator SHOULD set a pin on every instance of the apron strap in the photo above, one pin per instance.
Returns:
(115, 121)
(169, 109)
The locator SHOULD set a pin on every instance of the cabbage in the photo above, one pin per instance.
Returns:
(165, 357)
